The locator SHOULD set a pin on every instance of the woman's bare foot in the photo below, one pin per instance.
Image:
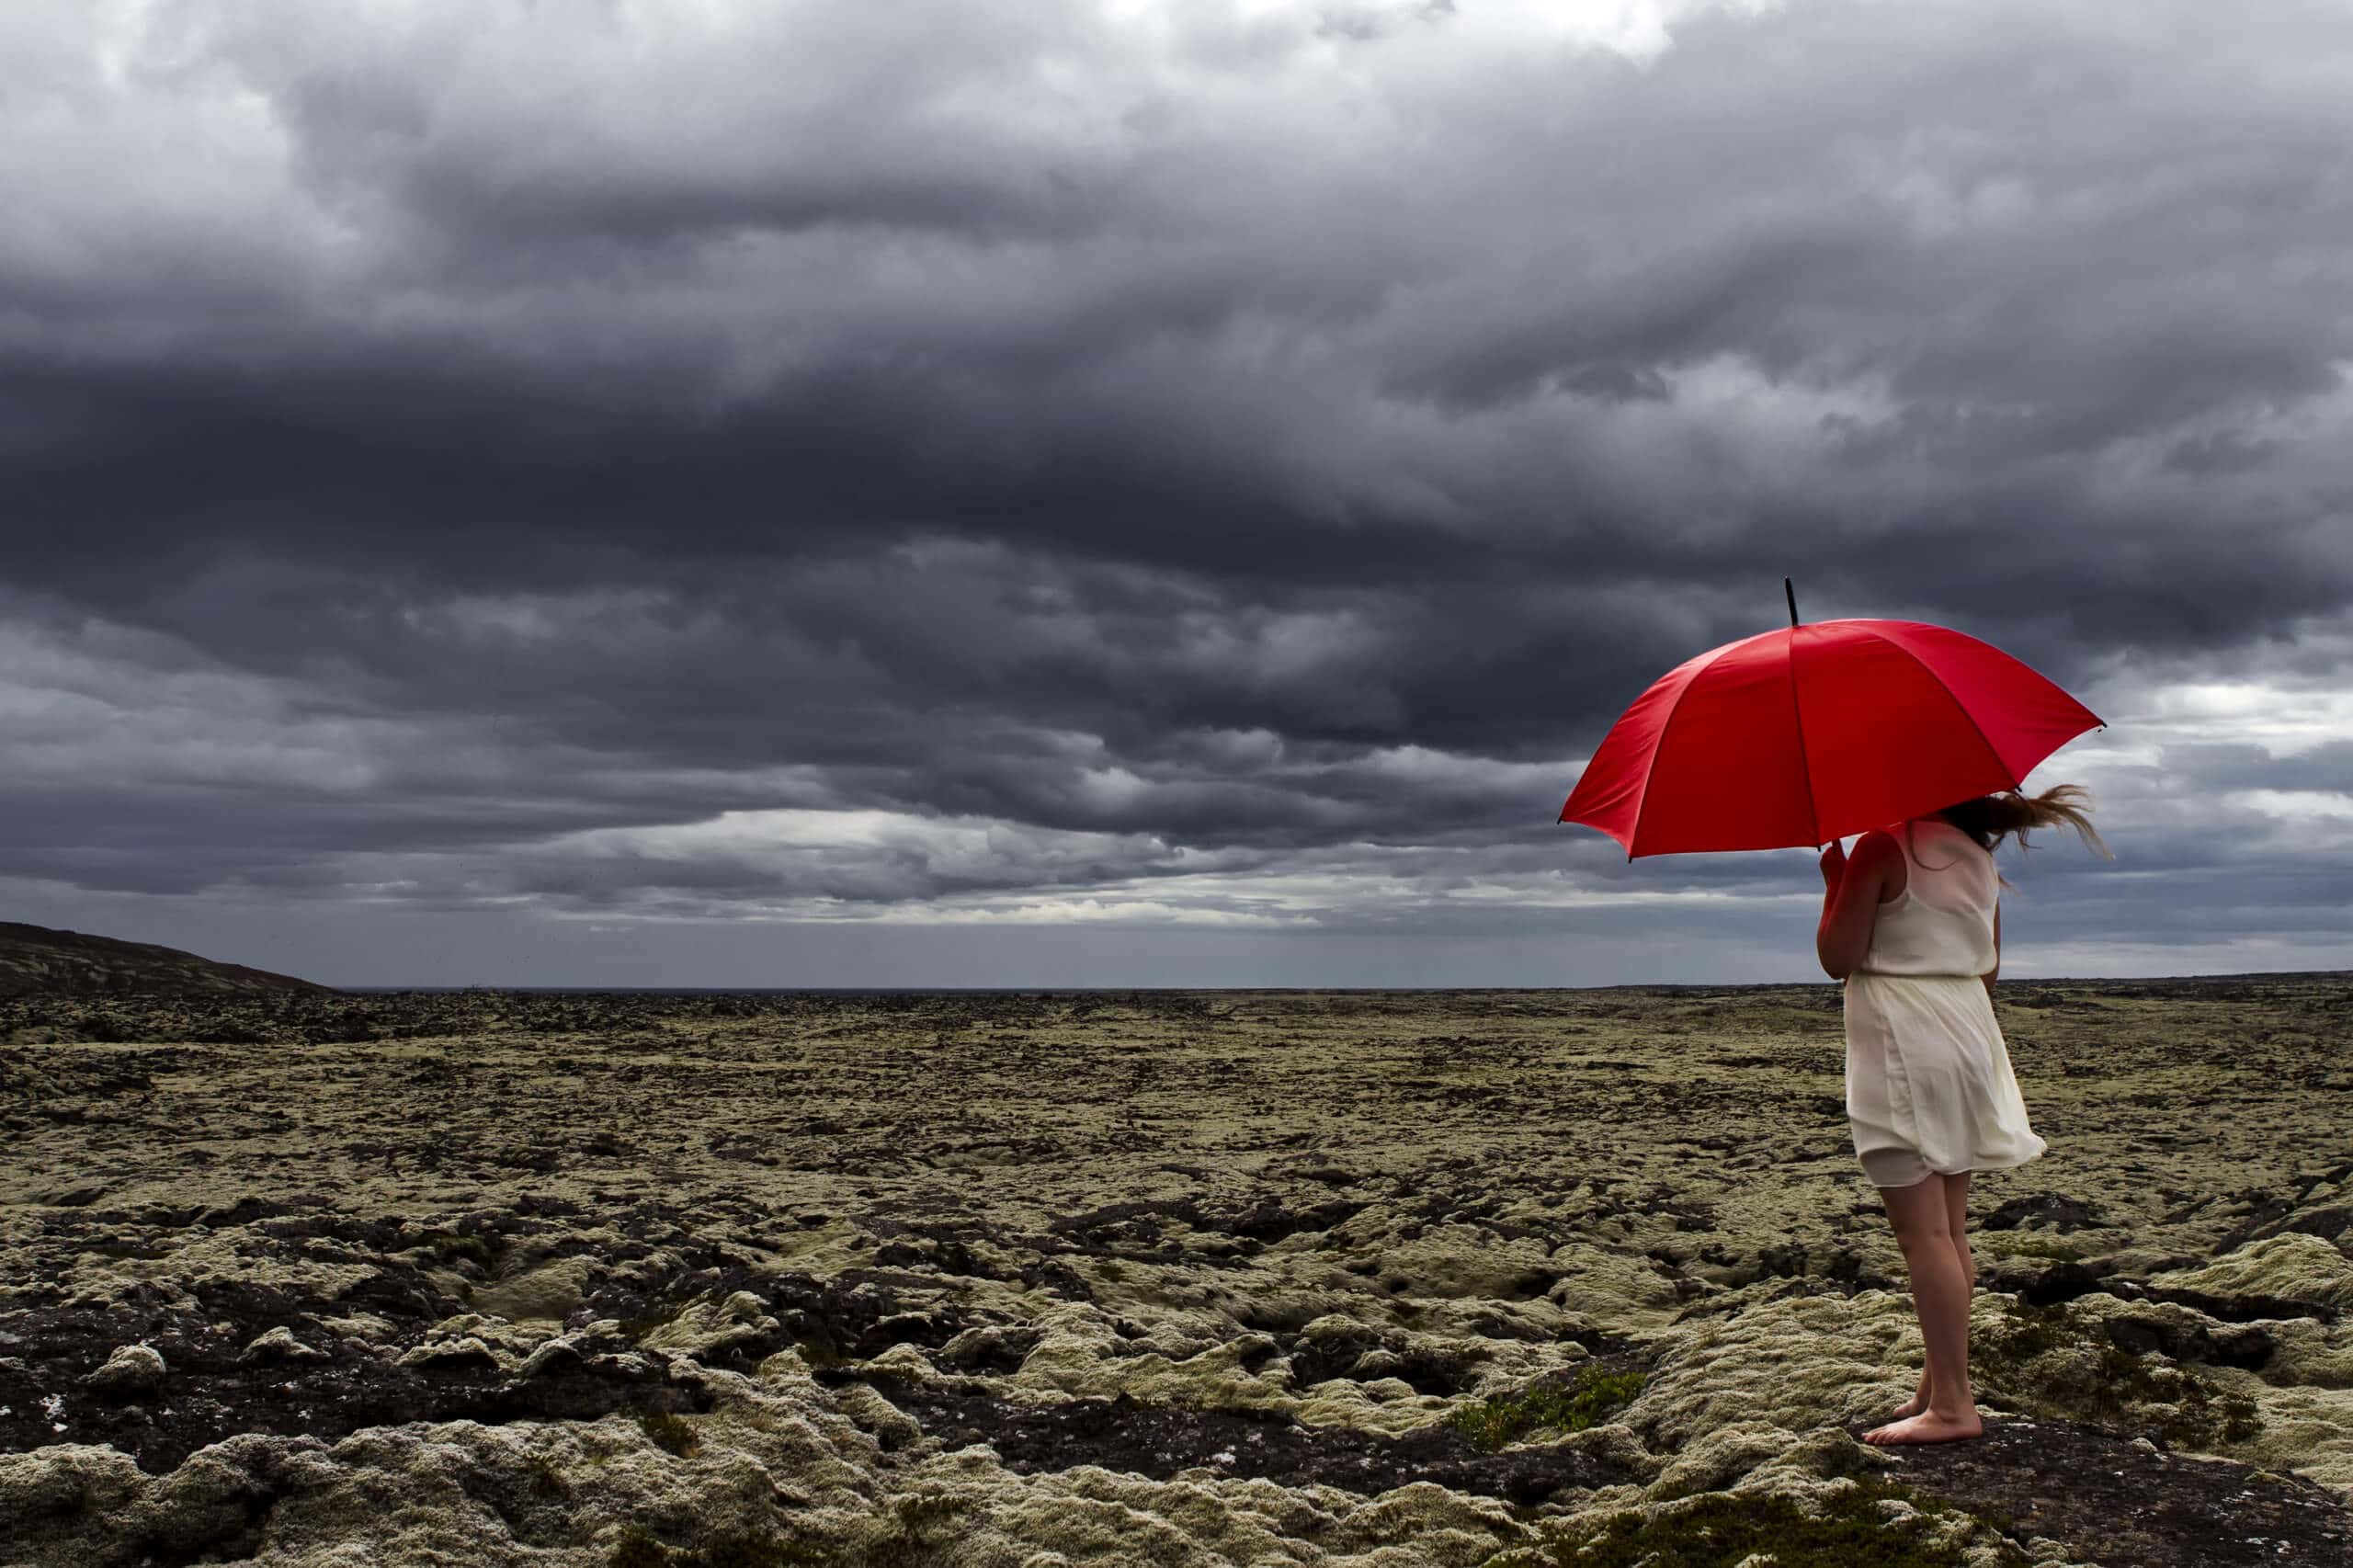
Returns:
(1929, 1426)
(1916, 1404)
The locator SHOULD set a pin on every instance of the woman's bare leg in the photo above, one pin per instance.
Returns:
(1956, 1223)
(1922, 1215)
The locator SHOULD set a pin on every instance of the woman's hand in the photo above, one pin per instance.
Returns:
(1850, 901)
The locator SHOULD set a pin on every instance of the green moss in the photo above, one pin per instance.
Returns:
(919, 1513)
(1591, 1399)
(2057, 1360)
(640, 1548)
(2034, 1246)
(1109, 1269)
(918, 1524)
(546, 1479)
(667, 1432)
(1720, 1530)
(450, 1245)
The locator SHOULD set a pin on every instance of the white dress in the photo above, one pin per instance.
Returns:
(1928, 1080)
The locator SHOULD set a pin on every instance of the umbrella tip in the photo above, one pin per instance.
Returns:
(1792, 595)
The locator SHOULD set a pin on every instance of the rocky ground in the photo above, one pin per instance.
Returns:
(1506, 1278)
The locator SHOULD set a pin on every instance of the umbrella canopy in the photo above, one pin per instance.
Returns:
(1808, 734)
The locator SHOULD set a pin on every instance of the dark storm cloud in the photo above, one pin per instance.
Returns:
(1183, 445)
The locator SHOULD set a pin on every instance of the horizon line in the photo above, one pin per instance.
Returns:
(1245, 989)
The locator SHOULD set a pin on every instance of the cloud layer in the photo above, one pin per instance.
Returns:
(971, 473)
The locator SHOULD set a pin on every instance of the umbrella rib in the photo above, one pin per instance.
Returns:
(1805, 769)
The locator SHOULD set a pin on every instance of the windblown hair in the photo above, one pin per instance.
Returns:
(1989, 819)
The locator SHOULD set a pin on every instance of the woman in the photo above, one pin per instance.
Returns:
(1913, 924)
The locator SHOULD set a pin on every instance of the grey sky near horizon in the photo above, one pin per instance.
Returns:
(974, 494)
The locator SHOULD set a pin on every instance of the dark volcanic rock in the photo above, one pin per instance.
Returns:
(1328, 1356)
(1159, 1441)
(2062, 1214)
(2127, 1504)
(203, 1387)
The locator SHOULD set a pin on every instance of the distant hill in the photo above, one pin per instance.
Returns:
(36, 961)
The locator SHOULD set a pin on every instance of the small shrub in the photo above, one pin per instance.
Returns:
(450, 1245)
(920, 1512)
(546, 1479)
(638, 1548)
(667, 1432)
(913, 1520)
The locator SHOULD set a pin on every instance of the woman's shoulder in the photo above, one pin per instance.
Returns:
(1919, 832)
(1880, 840)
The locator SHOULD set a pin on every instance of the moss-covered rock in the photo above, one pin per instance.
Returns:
(1854, 1525)
(2273, 1276)
(1799, 1363)
(2070, 1360)
(893, 1263)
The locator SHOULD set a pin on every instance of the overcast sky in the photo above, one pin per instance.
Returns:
(960, 493)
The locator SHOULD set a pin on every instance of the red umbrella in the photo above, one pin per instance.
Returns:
(1812, 732)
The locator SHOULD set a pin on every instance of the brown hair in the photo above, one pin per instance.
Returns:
(1989, 819)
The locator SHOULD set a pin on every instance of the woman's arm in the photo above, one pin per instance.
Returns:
(1852, 891)
(1988, 976)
